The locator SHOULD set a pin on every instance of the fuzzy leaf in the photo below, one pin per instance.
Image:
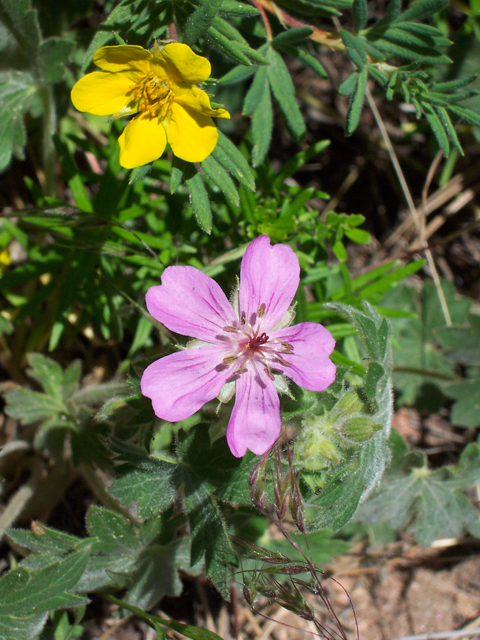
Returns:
(284, 92)
(200, 202)
(17, 90)
(234, 162)
(305, 58)
(434, 499)
(262, 127)
(200, 20)
(219, 176)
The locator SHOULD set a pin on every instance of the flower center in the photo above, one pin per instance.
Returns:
(152, 94)
(249, 345)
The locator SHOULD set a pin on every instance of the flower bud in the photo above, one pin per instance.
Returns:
(359, 428)
(350, 403)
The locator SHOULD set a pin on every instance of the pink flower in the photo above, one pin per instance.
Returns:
(243, 348)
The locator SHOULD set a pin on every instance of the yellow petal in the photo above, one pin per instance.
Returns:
(101, 93)
(182, 64)
(198, 100)
(191, 135)
(143, 140)
(122, 58)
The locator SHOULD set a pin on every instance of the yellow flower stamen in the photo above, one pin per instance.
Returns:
(152, 94)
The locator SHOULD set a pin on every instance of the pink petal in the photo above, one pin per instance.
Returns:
(190, 303)
(181, 383)
(255, 420)
(310, 367)
(268, 275)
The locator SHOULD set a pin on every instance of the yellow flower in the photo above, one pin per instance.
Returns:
(159, 86)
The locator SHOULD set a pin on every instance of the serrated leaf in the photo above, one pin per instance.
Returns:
(466, 410)
(219, 176)
(17, 90)
(351, 483)
(31, 406)
(355, 104)
(28, 627)
(26, 25)
(234, 162)
(434, 499)
(200, 202)
(284, 92)
(200, 20)
(54, 54)
(149, 482)
(22, 592)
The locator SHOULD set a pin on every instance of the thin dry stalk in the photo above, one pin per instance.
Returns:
(411, 205)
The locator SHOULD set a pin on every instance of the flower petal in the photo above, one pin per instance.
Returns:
(143, 140)
(268, 275)
(123, 57)
(179, 384)
(191, 135)
(199, 101)
(255, 420)
(190, 303)
(101, 93)
(310, 367)
(182, 64)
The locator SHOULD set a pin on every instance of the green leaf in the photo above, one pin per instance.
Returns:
(284, 92)
(26, 28)
(200, 202)
(305, 58)
(200, 20)
(24, 593)
(360, 14)
(433, 499)
(149, 482)
(234, 162)
(466, 410)
(237, 74)
(189, 631)
(17, 90)
(221, 179)
(291, 36)
(55, 53)
(139, 173)
(346, 485)
(438, 130)
(355, 104)
(26, 627)
(299, 160)
(348, 86)
(426, 368)
(230, 48)
(255, 93)
(355, 49)
(262, 127)
(422, 9)
(234, 9)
